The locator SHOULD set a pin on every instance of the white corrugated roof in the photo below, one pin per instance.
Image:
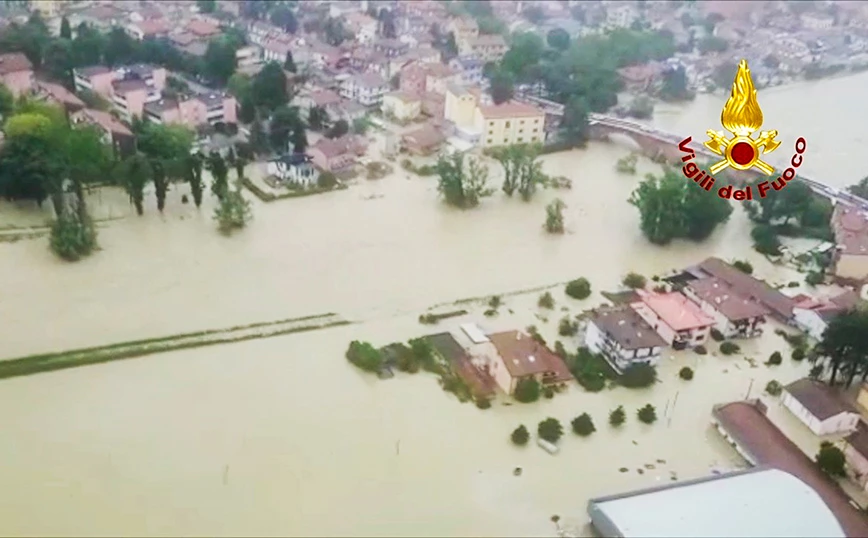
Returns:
(767, 502)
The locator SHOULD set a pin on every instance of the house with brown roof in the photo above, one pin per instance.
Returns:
(735, 316)
(850, 227)
(749, 287)
(450, 351)
(58, 94)
(623, 337)
(115, 133)
(16, 73)
(202, 29)
(337, 155)
(746, 427)
(425, 140)
(822, 408)
(813, 316)
(856, 454)
(518, 356)
(148, 28)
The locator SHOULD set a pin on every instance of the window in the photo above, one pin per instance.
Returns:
(490, 132)
(535, 130)
(521, 130)
(491, 124)
(520, 139)
(507, 125)
(506, 141)
(536, 121)
(488, 141)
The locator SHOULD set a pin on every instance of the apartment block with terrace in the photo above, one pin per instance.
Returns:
(193, 110)
(128, 88)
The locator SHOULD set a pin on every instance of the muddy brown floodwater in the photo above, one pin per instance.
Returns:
(281, 436)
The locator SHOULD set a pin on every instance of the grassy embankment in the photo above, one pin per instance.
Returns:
(47, 362)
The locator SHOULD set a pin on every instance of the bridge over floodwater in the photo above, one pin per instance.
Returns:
(658, 141)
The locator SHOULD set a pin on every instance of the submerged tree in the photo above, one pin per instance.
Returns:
(133, 174)
(671, 207)
(219, 174)
(555, 216)
(194, 177)
(73, 236)
(462, 185)
(233, 212)
(522, 171)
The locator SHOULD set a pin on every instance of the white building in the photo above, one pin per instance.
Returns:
(296, 169)
(621, 15)
(817, 21)
(623, 337)
(757, 502)
(367, 88)
(819, 407)
(735, 316)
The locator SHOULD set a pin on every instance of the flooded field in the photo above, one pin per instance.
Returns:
(282, 436)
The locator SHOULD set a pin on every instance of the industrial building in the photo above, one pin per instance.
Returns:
(758, 502)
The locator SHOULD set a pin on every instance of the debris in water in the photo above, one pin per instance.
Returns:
(623, 469)
(661, 461)
(673, 478)
(635, 443)
(650, 466)
(640, 470)
(516, 471)
(556, 518)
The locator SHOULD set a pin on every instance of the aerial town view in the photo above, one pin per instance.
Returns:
(434, 268)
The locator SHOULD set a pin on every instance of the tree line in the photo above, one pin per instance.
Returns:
(581, 74)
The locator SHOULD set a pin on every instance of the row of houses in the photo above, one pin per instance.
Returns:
(140, 91)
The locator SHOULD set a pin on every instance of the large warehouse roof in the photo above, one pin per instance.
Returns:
(758, 502)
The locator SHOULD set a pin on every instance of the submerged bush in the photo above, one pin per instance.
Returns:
(638, 376)
(583, 425)
(774, 388)
(729, 348)
(72, 237)
(579, 289)
(775, 359)
(686, 373)
(520, 436)
(233, 213)
(647, 414)
(617, 416)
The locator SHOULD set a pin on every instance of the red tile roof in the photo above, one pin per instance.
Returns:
(524, 356)
(60, 94)
(750, 287)
(202, 28)
(851, 230)
(767, 445)
(676, 310)
(14, 62)
(720, 295)
(106, 121)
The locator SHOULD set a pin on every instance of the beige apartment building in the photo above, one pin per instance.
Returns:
(509, 123)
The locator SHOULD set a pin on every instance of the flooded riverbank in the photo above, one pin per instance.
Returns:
(282, 436)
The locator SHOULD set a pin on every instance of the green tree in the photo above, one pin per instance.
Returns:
(575, 122)
(527, 390)
(579, 289)
(558, 38)
(167, 147)
(671, 208)
(65, 29)
(133, 174)
(7, 102)
(550, 430)
(617, 416)
(522, 59)
(364, 356)
(555, 216)
(269, 89)
(674, 85)
(87, 46)
(193, 168)
(233, 212)
(583, 425)
(712, 44)
(246, 109)
(339, 129)
(317, 118)
(520, 436)
(289, 63)
(462, 184)
(647, 414)
(831, 460)
(638, 375)
(844, 345)
(219, 61)
(502, 87)
(72, 236)
(634, 281)
(283, 17)
(334, 31)
(219, 174)
(284, 122)
(239, 85)
(119, 49)
(258, 139)
(206, 6)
